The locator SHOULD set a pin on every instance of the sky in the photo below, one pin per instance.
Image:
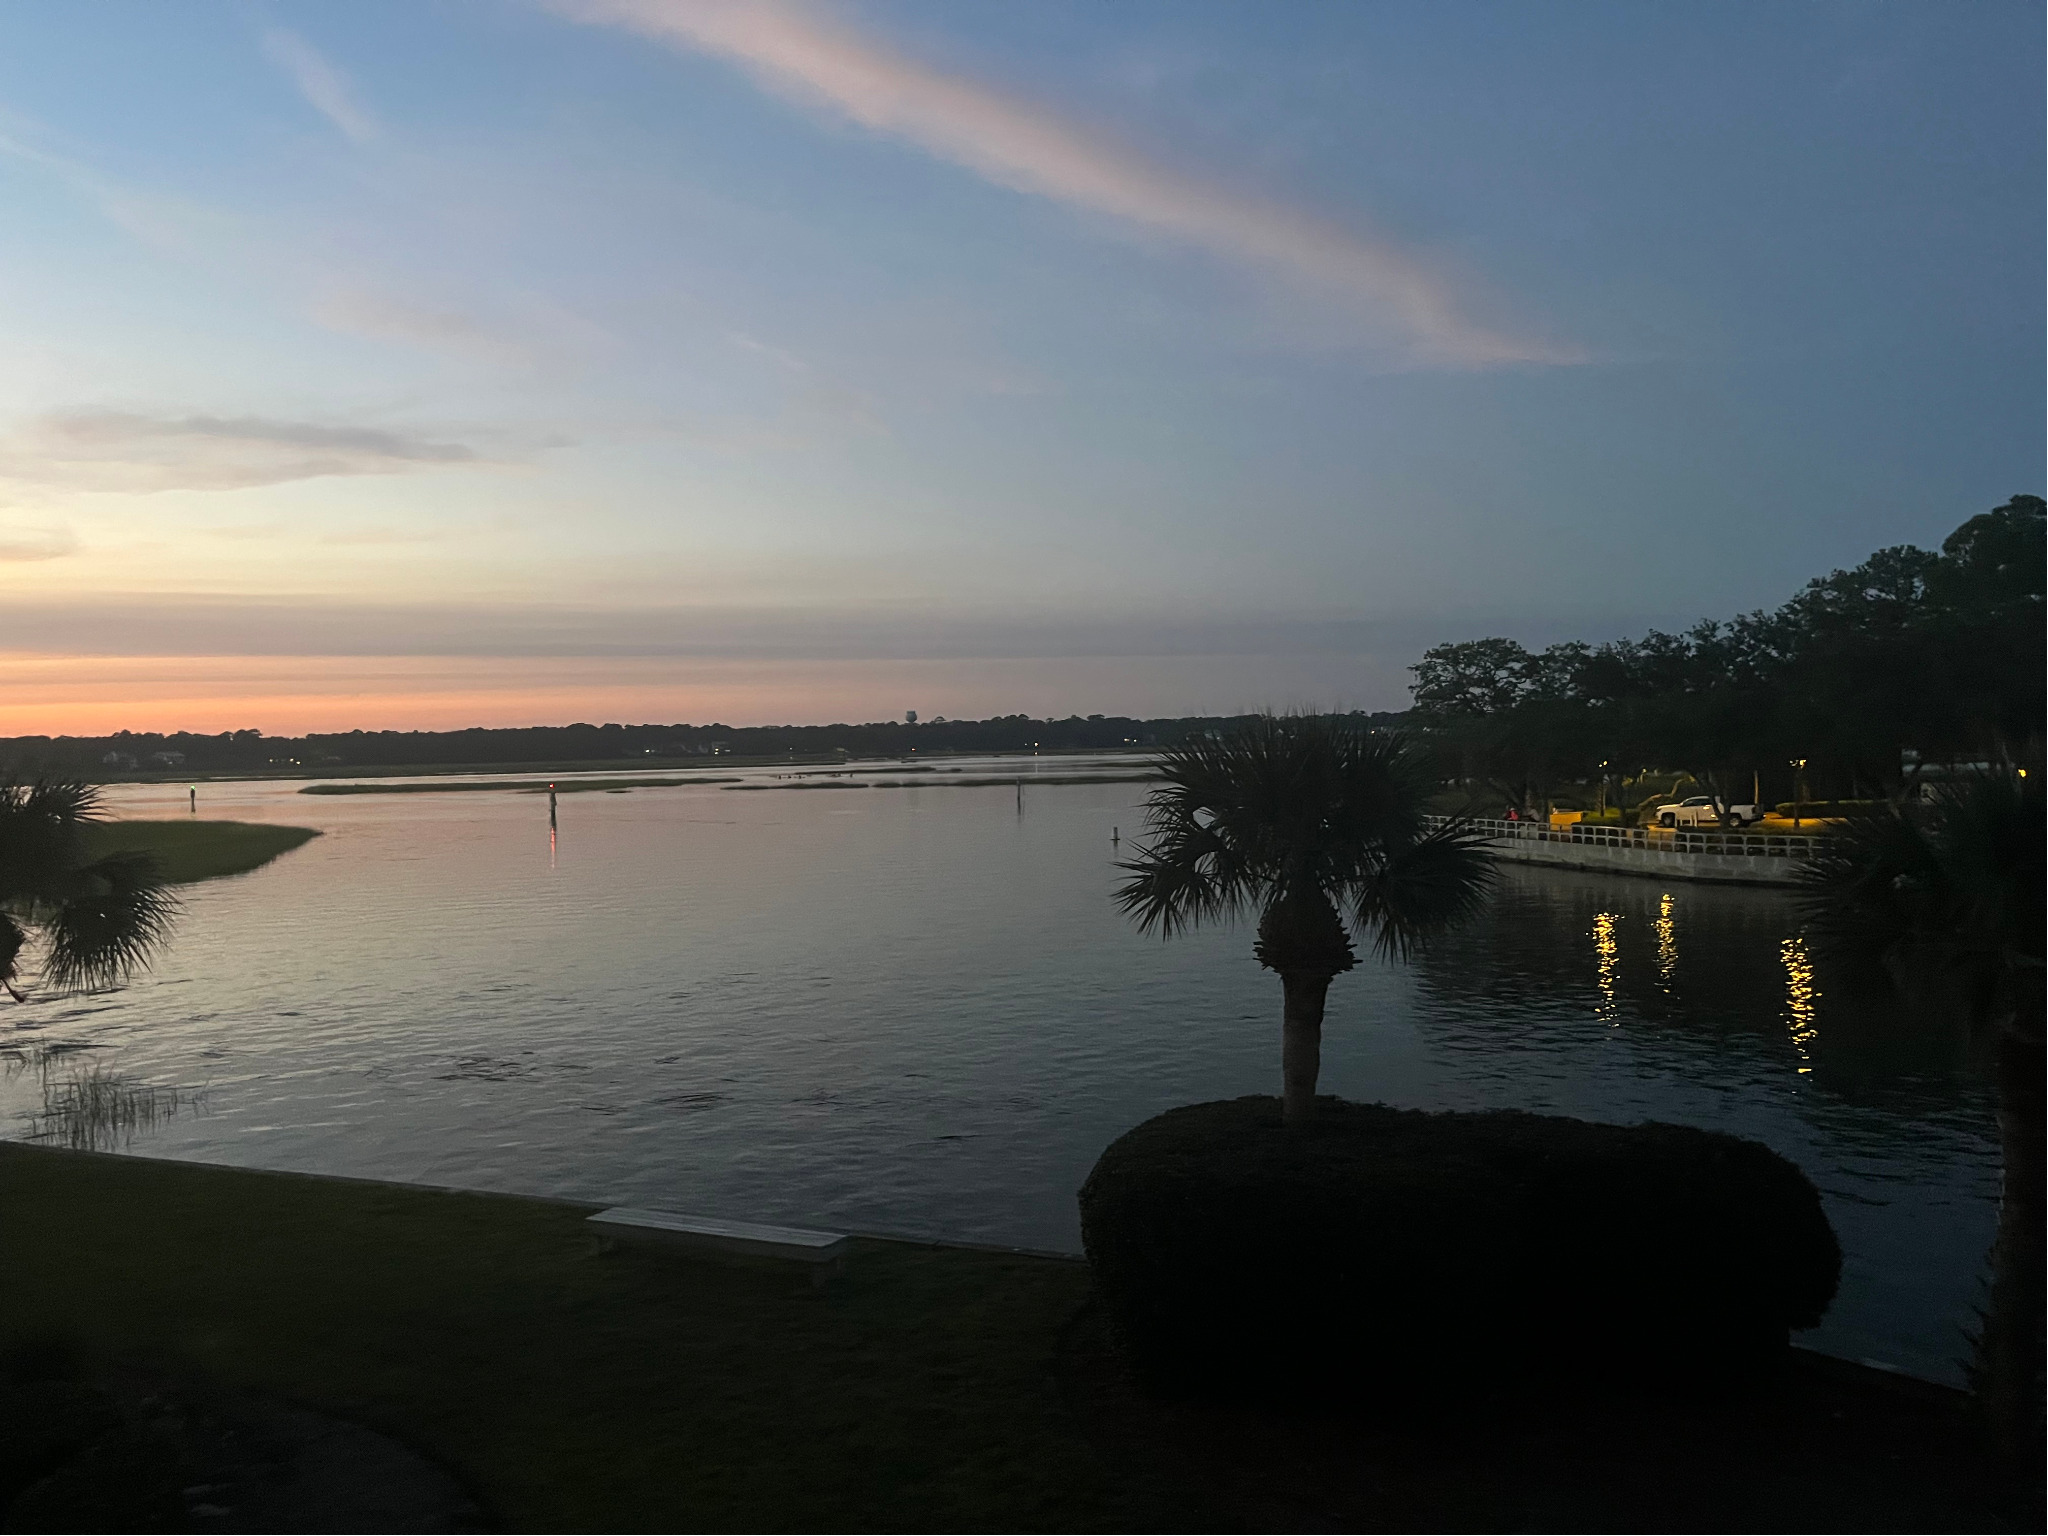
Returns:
(436, 363)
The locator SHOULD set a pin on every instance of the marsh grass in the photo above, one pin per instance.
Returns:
(190, 851)
(838, 780)
(96, 1110)
(521, 786)
(1029, 781)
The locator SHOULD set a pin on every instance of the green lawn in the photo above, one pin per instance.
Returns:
(632, 1391)
(197, 850)
(930, 1388)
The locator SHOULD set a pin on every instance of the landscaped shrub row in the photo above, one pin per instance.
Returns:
(1378, 1249)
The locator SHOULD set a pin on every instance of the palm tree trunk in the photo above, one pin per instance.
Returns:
(1302, 937)
(1301, 1044)
(2008, 1365)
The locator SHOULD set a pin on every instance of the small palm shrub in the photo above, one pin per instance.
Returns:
(1315, 828)
(1377, 1251)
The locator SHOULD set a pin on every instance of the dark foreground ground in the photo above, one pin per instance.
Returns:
(205, 1349)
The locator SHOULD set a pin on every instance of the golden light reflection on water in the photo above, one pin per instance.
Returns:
(1801, 995)
(1607, 956)
(1667, 942)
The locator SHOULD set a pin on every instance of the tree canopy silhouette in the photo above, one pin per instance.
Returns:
(1914, 656)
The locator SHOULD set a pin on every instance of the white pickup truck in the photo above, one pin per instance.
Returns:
(1698, 811)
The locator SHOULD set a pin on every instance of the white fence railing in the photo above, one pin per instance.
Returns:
(1681, 840)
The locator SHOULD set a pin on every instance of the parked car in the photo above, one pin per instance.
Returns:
(1698, 811)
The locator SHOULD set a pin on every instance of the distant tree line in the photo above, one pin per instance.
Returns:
(149, 753)
(1914, 658)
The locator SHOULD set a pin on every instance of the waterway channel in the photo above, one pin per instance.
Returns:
(915, 1009)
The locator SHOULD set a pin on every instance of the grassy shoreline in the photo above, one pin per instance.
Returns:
(931, 1388)
(940, 778)
(692, 763)
(189, 851)
(520, 786)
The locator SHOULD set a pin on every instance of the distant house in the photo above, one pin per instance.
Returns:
(117, 760)
(167, 759)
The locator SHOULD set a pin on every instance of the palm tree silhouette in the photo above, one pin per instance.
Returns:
(1956, 892)
(95, 920)
(1304, 821)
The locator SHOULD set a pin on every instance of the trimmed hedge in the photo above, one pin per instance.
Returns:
(1396, 1249)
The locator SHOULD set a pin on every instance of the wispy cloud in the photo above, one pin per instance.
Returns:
(1030, 148)
(326, 89)
(386, 317)
(164, 222)
(497, 324)
(380, 535)
(131, 452)
(346, 292)
(19, 545)
(307, 624)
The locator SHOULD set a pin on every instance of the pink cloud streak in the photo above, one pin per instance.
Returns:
(1029, 148)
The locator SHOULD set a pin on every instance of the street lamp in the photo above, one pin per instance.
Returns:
(1603, 789)
(1798, 789)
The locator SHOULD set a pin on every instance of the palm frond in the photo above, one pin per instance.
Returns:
(116, 917)
(41, 826)
(1183, 878)
(64, 800)
(1874, 884)
(1989, 833)
(13, 940)
(1424, 886)
(1283, 806)
(1956, 888)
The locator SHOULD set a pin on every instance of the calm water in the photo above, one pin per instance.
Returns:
(916, 1010)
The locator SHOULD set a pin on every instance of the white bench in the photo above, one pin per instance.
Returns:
(622, 1224)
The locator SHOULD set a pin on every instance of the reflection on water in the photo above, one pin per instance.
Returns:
(1801, 999)
(1667, 941)
(1607, 957)
(916, 1009)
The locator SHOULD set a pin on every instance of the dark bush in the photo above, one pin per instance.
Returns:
(1378, 1248)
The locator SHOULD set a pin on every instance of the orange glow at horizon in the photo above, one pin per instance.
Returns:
(293, 695)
